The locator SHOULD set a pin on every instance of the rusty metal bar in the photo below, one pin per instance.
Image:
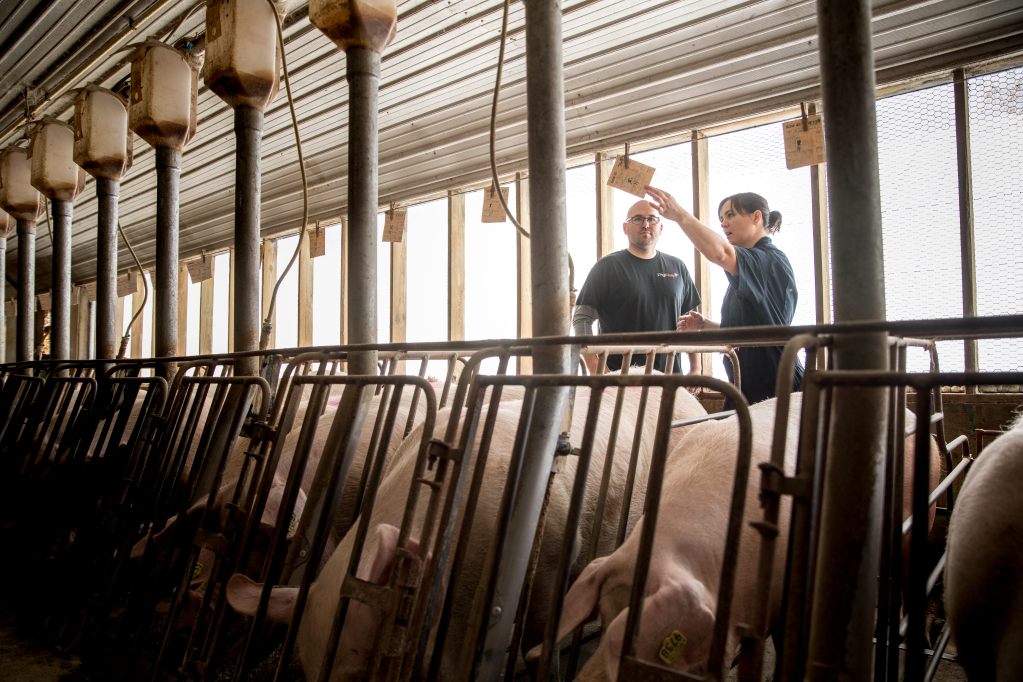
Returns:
(917, 589)
(630, 476)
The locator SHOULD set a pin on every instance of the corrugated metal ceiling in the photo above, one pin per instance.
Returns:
(633, 71)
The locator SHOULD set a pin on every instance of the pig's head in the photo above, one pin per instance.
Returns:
(362, 624)
(675, 630)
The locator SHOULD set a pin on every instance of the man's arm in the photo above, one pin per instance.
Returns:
(582, 322)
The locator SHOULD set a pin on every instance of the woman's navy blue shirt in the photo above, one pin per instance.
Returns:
(763, 293)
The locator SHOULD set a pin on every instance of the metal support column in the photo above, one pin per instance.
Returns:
(966, 235)
(3, 288)
(545, 96)
(248, 131)
(106, 269)
(363, 76)
(165, 279)
(845, 590)
(26, 290)
(60, 286)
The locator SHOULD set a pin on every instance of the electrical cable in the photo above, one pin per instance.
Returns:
(264, 339)
(145, 297)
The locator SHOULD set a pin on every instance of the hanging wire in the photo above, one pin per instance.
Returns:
(264, 339)
(169, 35)
(145, 297)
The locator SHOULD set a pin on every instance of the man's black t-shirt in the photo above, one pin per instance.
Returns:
(633, 294)
(763, 293)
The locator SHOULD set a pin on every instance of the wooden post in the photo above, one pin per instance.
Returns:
(79, 323)
(182, 309)
(966, 234)
(206, 313)
(230, 306)
(269, 280)
(821, 246)
(524, 327)
(702, 212)
(118, 322)
(399, 294)
(456, 266)
(137, 327)
(305, 292)
(605, 208)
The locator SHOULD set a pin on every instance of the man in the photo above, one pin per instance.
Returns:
(637, 290)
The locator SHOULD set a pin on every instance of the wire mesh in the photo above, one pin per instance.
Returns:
(996, 133)
(920, 213)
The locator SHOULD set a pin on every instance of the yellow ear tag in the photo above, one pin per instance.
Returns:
(672, 647)
(294, 520)
(197, 571)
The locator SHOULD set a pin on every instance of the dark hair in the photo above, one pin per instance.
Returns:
(748, 203)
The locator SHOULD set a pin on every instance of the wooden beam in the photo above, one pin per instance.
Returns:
(118, 322)
(182, 309)
(137, 326)
(206, 313)
(305, 292)
(344, 281)
(230, 307)
(524, 326)
(605, 208)
(960, 88)
(702, 212)
(269, 280)
(399, 293)
(456, 266)
(821, 246)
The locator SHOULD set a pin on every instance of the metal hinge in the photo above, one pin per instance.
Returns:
(773, 481)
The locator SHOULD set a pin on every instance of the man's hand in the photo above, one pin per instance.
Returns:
(666, 205)
(691, 322)
(695, 390)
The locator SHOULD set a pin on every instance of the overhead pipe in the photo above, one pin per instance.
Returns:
(545, 101)
(59, 179)
(363, 29)
(845, 586)
(243, 68)
(103, 147)
(21, 200)
(162, 111)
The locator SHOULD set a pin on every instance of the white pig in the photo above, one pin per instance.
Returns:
(983, 588)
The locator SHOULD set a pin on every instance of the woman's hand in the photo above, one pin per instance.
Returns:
(691, 322)
(667, 206)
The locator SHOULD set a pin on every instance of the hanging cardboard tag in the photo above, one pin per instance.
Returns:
(317, 241)
(493, 211)
(45, 301)
(632, 179)
(804, 147)
(90, 291)
(394, 226)
(10, 308)
(126, 284)
(200, 270)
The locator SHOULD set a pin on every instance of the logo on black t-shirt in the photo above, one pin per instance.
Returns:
(667, 274)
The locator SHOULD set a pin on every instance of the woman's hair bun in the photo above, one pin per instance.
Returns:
(773, 222)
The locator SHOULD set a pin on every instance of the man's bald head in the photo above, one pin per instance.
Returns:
(642, 207)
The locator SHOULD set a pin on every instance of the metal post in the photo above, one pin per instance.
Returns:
(165, 280)
(106, 269)
(26, 290)
(3, 288)
(248, 131)
(363, 75)
(60, 287)
(960, 89)
(845, 589)
(545, 95)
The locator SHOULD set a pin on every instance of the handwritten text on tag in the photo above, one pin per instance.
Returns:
(126, 284)
(493, 211)
(804, 147)
(632, 179)
(200, 270)
(394, 226)
(317, 242)
(45, 301)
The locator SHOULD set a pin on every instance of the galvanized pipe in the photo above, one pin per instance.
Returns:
(106, 268)
(845, 588)
(165, 283)
(26, 290)
(248, 132)
(60, 286)
(363, 76)
(545, 96)
(3, 288)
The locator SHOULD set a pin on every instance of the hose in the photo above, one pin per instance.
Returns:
(145, 298)
(264, 338)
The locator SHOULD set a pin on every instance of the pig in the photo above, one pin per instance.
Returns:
(359, 633)
(983, 593)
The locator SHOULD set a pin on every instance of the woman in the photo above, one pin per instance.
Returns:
(761, 286)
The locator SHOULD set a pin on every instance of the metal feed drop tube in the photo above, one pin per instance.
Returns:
(162, 111)
(242, 68)
(551, 312)
(60, 305)
(106, 268)
(5, 225)
(26, 290)
(845, 588)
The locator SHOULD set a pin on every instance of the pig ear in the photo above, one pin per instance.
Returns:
(583, 598)
(243, 596)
